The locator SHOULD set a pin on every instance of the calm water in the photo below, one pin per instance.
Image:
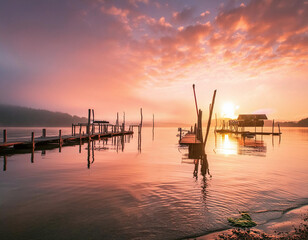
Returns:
(111, 191)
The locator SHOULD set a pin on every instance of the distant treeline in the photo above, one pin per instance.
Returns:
(301, 123)
(14, 116)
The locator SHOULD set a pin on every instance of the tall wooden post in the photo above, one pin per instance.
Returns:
(210, 119)
(273, 126)
(60, 137)
(279, 129)
(4, 136)
(44, 132)
(180, 133)
(72, 129)
(141, 116)
(32, 140)
(89, 121)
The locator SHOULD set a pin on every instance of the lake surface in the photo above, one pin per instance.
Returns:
(115, 191)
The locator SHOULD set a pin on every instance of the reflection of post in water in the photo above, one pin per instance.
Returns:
(32, 156)
(196, 162)
(122, 142)
(4, 163)
(89, 142)
(93, 146)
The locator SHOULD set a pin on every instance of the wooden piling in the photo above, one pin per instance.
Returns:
(32, 140)
(210, 119)
(60, 137)
(4, 136)
(180, 133)
(44, 132)
(273, 126)
(72, 129)
(279, 129)
(89, 121)
(141, 120)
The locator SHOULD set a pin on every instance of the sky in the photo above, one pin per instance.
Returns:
(116, 56)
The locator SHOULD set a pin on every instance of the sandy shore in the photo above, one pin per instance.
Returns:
(285, 223)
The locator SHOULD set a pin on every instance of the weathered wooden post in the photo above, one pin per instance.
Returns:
(32, 140)
(60, 137)
(72, 129)
(210, 119)
(273, 126)
(44, 132)
(117, 123)
(141, 116)
(199, 131)
(180, 133)
(89, 121)
(4, 136)
(279, 129)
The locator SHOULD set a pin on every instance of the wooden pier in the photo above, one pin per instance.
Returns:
(94, 130)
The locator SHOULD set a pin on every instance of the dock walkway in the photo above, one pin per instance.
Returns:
(189, 139)
(22, 143)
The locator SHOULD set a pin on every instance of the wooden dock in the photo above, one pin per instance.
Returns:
(58, 139)
(94, 130)
(189, 139)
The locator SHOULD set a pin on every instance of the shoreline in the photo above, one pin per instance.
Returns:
(289, 220)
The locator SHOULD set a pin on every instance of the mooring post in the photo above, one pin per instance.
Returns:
(89, 120)
(60, 137)
(72, 129)
(32, 140)
(180, 133)
(141, 116)
(273, 126)
(79, 131)
(123, 127)
(44, 132)
(210, 119)
(4, 136)
(279, 129)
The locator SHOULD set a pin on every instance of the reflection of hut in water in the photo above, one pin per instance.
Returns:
(240, 145)
(253, 147)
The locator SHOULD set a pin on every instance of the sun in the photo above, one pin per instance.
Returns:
(228, 110)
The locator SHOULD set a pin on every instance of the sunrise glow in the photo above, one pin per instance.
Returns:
(228, 110)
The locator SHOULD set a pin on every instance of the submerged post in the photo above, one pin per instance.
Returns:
(210, 119)
(4, 136)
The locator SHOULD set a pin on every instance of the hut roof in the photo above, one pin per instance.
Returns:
(249, 117)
